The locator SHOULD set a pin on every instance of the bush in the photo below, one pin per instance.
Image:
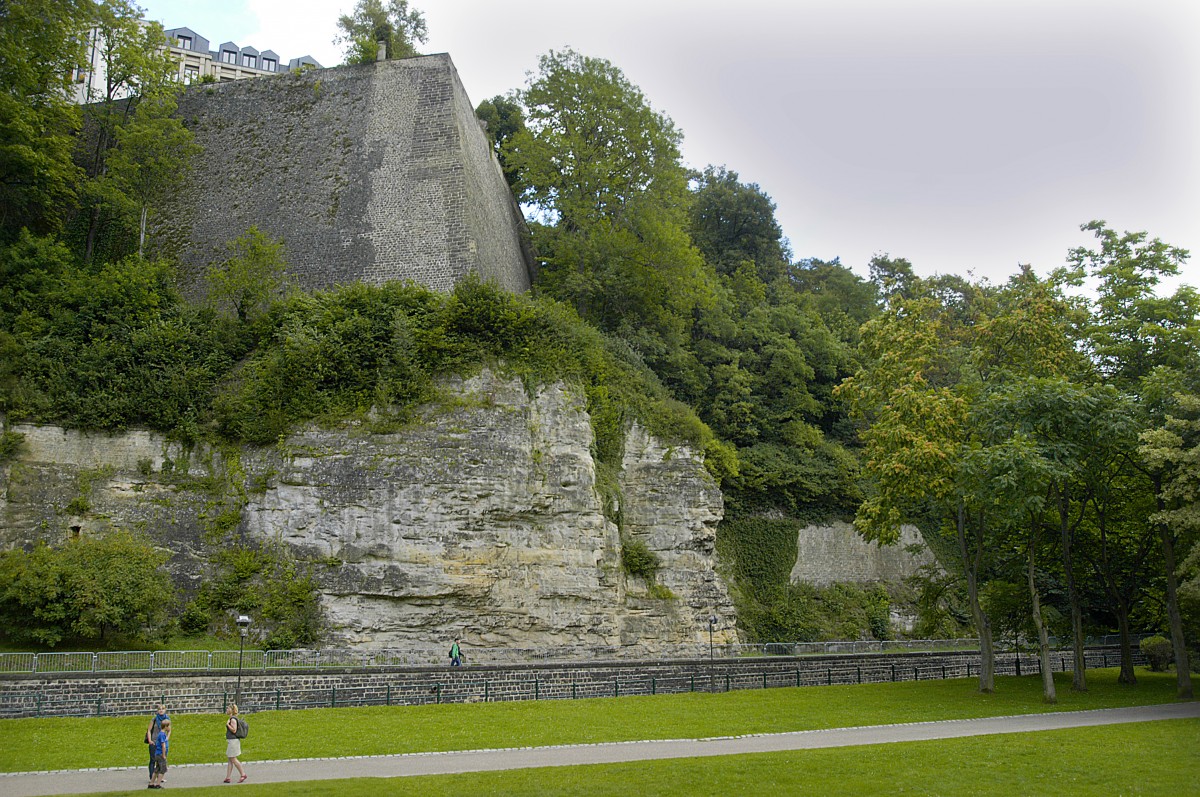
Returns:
(1159, 652)
(638, 560)
(88, 589)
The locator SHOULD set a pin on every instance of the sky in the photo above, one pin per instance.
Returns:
(968, 136)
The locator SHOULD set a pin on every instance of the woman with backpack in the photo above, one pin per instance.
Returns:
(233, 743)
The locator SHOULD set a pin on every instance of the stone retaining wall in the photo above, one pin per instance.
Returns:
(86, 694)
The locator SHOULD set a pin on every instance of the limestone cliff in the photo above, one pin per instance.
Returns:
(482, 519)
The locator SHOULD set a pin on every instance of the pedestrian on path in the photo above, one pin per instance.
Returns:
(233, 744)
(156, 723)
(456, 655)
(161, 746)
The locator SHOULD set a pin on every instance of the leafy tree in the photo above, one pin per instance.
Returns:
(138, 70)
(602, 169)
(152, 156)
(1173, 451)
(394, 23)
(253, 274)
(88, 588)
(733, 222)
(41, 45)
(504, 118)
(1149, 346)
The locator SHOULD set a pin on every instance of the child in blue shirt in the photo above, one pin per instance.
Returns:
(161, 744)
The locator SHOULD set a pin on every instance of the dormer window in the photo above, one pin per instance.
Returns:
(268, 65)
(183, 42)
(229, 56)
(248, 60)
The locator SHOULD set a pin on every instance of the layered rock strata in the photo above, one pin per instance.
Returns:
(483, 519)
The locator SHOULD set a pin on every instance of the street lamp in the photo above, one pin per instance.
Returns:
(243, 623)
(712, 677)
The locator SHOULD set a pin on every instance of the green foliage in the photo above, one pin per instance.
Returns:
(1159, 652)
(504, 118)
(246, 281)
(41, 42)
(733, 223)
(805, 613)
(10, 445)
(604, 167)
(760, 550)
(267, 583)
(87, 589)
(638, 560)
(374, 21)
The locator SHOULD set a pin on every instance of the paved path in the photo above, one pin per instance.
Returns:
(390, 766)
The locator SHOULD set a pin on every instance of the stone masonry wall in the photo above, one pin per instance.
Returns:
(368, 173)
(82, 694)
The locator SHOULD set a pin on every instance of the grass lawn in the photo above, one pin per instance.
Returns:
(1152, 758)
(77, 743)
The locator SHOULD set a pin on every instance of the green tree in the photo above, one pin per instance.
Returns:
(1149, 346)
(246, 281)
(504, 118)
(393, 23)
(138, 70)
(41, 46)
(602, 168)
(89, 588)
(733, 222)
(153, 156)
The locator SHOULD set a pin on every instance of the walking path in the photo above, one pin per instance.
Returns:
(28, 784)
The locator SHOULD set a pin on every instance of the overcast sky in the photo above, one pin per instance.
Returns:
(964, 135)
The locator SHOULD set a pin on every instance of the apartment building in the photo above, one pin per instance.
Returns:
(195, 60)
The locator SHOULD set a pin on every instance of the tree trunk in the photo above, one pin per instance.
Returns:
(1183, 675)
(1127, 675)
(142, 233)
(983, 626)
(1048, 693)
(1079, 668)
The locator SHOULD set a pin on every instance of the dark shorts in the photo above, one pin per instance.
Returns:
(160, 765)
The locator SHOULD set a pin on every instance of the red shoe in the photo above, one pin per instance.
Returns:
(243, 777)
(226, 780)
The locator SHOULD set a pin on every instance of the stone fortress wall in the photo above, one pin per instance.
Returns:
(368, 173)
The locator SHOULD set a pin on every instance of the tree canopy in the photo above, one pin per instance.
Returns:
(393, 23)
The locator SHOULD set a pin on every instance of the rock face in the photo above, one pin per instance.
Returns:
(483, 520)
(835, 553)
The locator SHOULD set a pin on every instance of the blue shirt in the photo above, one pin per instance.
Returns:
(161, 744)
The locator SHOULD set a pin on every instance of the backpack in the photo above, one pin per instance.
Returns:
(243, 730)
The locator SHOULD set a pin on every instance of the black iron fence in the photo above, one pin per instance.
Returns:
(203, 693)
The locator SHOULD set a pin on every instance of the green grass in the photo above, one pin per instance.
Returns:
(1152, 758)
(38, 743)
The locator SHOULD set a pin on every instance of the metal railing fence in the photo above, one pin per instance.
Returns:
(485, 686)
(258, 660)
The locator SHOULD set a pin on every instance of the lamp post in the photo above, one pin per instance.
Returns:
(243, 623)
(712, 676)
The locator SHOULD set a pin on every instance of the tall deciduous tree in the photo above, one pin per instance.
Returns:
(1149, 346)
(734, 222)
(41, 46)
(504, 118)
(393, 23)
(249, 277)
(602, 169)
(138, 70)
(153, 156)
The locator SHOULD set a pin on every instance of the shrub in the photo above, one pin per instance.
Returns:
(638, 560)
(1159, 652)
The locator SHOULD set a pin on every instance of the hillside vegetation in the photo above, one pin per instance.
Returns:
(1044, 436)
